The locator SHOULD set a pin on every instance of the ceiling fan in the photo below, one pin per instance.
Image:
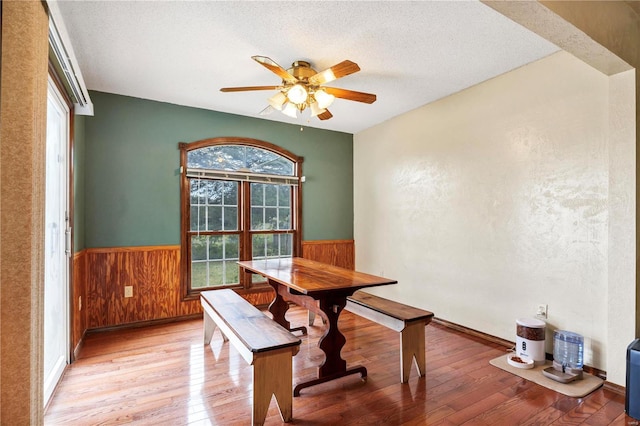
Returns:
(302, 88)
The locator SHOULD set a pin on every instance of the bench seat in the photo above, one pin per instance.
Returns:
(407, 320)
(262, 342)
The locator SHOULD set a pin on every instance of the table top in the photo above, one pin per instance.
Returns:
(311, 277)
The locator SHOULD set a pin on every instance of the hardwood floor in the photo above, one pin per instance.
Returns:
(165, 375)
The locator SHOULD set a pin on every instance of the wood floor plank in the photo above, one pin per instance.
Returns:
(544, 417)
(474, 409)
(165, 375)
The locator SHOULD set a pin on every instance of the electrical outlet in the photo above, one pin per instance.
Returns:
(128, 291)
(542, 311)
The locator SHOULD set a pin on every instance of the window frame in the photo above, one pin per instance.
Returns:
(244, 214)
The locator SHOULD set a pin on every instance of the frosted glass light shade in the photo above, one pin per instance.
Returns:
(323, 99)
(277, 100)
(297, 94)
(291, 110)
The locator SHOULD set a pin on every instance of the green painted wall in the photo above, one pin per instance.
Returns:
(131, 161)
(78, 182)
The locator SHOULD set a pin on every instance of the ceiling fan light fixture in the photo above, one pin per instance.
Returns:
(277, 100)
(297, 94)
(302, 88)
(316, 110)
(291, 110)
(323, 99)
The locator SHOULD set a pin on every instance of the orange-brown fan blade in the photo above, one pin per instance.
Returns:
(272, 66)
(325, 115)
(352, 95)
(342, 69)
(248, 88)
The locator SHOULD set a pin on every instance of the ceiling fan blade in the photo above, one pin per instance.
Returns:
(268, 110)
(352, 95)
(340, 70)
(272, 66)
(248, 88)
(325, 115)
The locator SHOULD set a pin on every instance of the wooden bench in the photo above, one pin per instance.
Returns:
(409, 321)
(262, 342)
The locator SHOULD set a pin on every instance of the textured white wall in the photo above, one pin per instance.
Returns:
(621, 297)
(496, 199)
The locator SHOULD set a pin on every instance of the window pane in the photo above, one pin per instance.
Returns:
(214, 218)
(286, 245)
(272, 245)
(284, 195)
(231, 157)
(284, 218)
(258, 246)
(215, 247)
(231, 193)
(213, 260)
(214, 190)
(196, 192)
(207, 207)
(199, 248)
(278, 166)
(198, 218)
(270, 195)
(198, 262)
(231, 247)
(263, 161)
(270, 218)
(238, 157)
(257, 193)
(230, 218)
(257, 220)
(222, 157)
(232, 273)
(198, 274)
(216, 273)
(205, 192)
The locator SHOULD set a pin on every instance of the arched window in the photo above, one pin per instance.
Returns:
(240, 200)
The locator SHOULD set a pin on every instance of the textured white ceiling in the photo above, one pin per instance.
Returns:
(410, 53)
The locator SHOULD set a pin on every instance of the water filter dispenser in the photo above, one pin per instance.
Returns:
(568, 354)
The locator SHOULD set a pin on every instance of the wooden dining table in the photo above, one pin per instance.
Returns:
(323, 289)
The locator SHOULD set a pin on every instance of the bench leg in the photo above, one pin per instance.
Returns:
(209, 328)
(272, 375)
(412, 347)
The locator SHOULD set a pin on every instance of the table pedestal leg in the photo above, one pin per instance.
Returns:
(331, 344)
(278, 309)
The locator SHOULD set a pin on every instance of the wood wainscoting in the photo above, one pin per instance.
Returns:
(334, 252)
(101, 274)
(79, 302)
(152, 272)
